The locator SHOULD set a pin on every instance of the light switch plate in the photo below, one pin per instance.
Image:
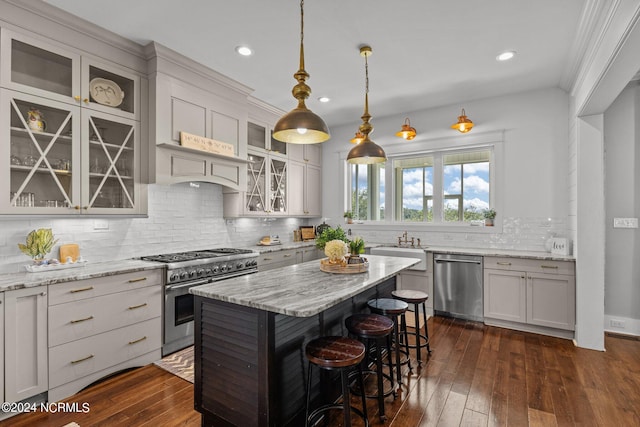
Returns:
(625, 222)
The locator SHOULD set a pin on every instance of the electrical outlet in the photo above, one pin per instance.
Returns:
(616, 323)
(625, 222)
(100, 224)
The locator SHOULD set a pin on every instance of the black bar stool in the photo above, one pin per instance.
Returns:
(416, 298)
(339, 353)
(378, 328)
(393, 309)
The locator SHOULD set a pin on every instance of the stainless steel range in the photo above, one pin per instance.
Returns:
(186, 270)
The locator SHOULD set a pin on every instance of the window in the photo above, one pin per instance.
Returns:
(415, 193)
(466, 185)
(367, 191)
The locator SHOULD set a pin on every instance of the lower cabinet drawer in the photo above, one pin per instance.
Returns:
(276, 259)
(80, 319)
(83, 357)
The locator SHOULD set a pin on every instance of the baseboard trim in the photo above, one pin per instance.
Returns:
(628, 326)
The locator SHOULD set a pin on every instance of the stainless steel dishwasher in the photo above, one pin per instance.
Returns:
(457, 286)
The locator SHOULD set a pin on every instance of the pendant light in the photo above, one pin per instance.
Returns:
(301, 125)
(464, 125)
(407, 132)
(367, 151)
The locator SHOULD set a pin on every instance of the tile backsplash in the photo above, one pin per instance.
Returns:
(180, 218)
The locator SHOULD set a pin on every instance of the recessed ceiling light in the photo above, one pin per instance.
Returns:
(244, 50)
(324, 99)
(505, 56)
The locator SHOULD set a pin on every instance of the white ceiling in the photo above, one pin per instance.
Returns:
(426, 53)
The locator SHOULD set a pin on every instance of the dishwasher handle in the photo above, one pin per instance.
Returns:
(466, 261)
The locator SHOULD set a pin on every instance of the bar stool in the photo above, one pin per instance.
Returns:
(416, 298)
(378, 328)
(393, 309)
(336, 353)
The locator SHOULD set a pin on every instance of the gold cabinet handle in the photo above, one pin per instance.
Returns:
(43, 294)
(73, 362)
(133, 307)
(86, 100)
(138, 340)
(503, 263)
(549, 266)
(81, 320)
(77, 97)
(140, 279)
(88, 288)
(287, 255)
(266, 259)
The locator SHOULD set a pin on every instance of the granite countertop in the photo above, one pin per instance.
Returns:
(301, 290)
(25, 279)
(263, 249)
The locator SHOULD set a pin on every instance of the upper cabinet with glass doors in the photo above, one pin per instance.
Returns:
(71, 131)
(39, 68)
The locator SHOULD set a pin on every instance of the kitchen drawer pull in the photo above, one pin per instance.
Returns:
(81, 320)
(73, 362)
(138, 340)
(141, 279)
(286, 255)
(548, 266)
(88, 288)
(503, 263)
(266, 259)
(133, 307)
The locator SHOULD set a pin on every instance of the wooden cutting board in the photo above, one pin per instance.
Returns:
(69, 250)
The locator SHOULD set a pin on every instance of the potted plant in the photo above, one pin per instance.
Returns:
(356, 247)
(329, 234)
(348, 215)
(489, 216)
(38, 244)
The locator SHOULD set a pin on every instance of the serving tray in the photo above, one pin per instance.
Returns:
(329, 267)
(53, 267)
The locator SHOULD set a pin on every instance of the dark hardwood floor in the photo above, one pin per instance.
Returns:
(476, 376)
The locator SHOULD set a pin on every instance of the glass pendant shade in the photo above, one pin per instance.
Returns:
(367, 151)
(407, 132)
(301, 125)
(464, 125)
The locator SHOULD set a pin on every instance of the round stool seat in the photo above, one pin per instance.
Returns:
(409, 296)
(369, 325)
(335, 352)
(387, 306)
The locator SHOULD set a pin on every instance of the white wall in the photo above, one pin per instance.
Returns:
(180, 218)
(622, 183)
(535, 175)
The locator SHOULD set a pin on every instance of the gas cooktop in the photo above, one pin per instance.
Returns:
(194, 255)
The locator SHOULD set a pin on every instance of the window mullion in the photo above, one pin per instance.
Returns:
(438, 190)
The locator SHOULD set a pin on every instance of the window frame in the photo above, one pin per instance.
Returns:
(493, 141)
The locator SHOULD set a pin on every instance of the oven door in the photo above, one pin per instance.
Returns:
(178, 316)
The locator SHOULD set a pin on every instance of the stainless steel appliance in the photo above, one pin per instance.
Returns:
(186, 270)
(457, 286)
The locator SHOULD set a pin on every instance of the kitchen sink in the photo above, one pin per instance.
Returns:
(392, 250)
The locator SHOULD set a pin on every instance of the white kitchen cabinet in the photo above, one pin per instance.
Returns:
(305, 190)
(530, 294)
(100, 326)
(311, 253)
(277, 259)
(25, 344)
(306, 153)
(2, 347)
(418, 280)
(71, 129)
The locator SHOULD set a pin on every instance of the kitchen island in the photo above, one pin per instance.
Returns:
(251, 331)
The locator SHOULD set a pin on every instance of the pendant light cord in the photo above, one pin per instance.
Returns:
(302, 34)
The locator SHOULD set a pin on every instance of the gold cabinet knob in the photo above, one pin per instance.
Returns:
(77, 97)
(86, 100)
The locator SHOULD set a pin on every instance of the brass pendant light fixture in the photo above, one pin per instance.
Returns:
(464, 125)
(367, 151)
(407, 132)
(301, 125)
(358, 138)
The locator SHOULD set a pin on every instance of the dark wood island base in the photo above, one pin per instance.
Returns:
(250, 368)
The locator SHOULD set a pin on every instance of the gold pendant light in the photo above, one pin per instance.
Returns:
(301, 125)
(358, 138)
(407, 132)
(464, 125)
(367, 151)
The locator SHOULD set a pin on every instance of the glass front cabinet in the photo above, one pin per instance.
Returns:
(70, 132)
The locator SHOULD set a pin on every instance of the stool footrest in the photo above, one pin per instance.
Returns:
(330, 406)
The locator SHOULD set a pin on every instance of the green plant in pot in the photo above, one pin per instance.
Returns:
(329, 234)
(489, 216)
(348, 215)
(38, 244)
(356, 247)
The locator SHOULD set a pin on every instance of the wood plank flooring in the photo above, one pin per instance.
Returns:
(476, 376)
